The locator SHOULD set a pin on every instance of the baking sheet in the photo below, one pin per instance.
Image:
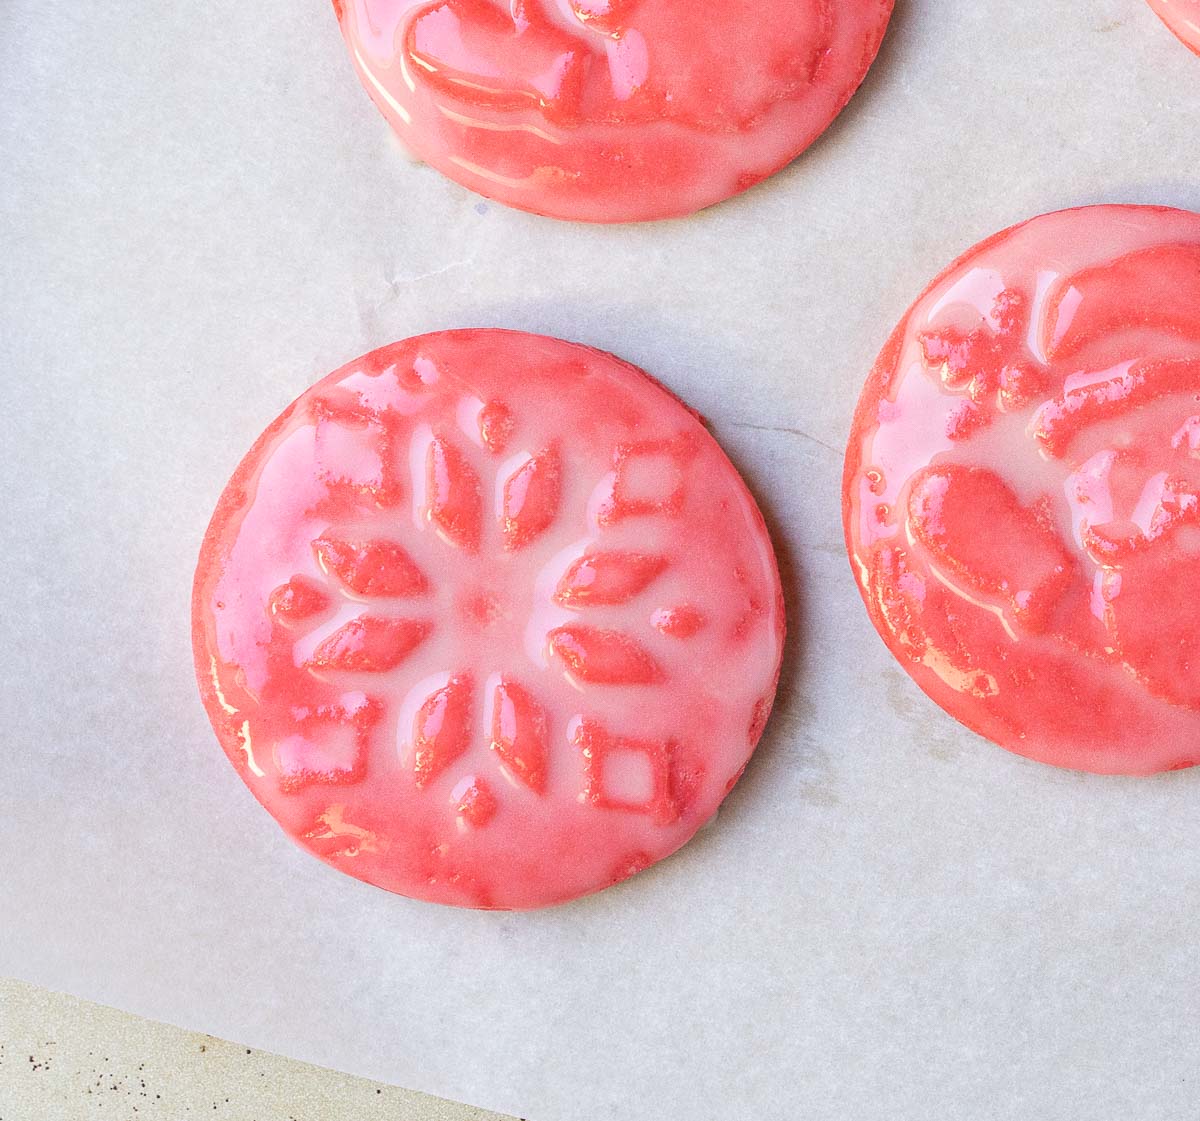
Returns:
(200, 214)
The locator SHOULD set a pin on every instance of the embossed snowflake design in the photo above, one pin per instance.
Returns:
(415, 609)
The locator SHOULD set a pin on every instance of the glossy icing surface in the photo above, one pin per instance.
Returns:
(1022, 489)
(611, 110)
(488, 619)
(1183, 18)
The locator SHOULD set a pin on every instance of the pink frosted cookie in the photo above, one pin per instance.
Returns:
(611, 110)
(1022, 489)
(488, 619)
(1183, 18)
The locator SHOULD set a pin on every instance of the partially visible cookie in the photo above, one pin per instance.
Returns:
(1022, 489)
(1183, 18)
(611, 110)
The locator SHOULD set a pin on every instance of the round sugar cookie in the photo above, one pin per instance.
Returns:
(488, 619)
(1022, 489)
(610, 110)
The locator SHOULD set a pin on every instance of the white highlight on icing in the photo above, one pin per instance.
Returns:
(1149, 502)
(363, 68)
(628, 62)
(499, 126)
(1089, 495)
(1033, 340)
(978, 289)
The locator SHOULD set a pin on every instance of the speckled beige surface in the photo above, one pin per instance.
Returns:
(63, 1059)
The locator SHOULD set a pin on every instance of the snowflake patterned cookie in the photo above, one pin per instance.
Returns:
(488, 619)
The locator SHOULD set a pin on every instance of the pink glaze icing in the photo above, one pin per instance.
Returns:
(1183, 18)
(488, 619)
(611, 110)
(1022, 489)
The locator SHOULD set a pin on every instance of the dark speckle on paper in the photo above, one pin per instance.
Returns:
(155, 1071)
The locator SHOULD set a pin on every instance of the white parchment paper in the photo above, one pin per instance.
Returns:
(200, 214)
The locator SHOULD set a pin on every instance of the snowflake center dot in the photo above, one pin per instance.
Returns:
(485, 608)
